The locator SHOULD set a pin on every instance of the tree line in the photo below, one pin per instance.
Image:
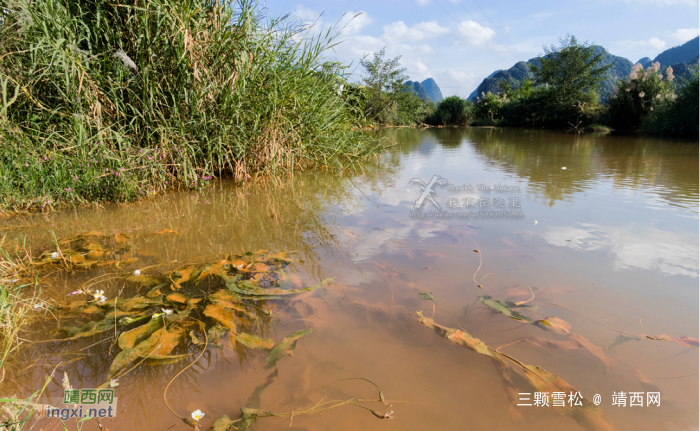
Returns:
(564, 93)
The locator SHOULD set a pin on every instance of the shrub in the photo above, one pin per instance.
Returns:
(677, 117)
(638, 95)
(451, 111)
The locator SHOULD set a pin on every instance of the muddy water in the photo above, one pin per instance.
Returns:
(612, 240)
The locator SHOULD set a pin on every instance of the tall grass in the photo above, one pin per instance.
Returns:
(112, 101)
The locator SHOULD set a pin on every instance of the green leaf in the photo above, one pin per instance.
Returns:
(503, 308)
(285, 348)
(427, 296)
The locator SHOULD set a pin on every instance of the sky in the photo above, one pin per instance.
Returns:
(460, 42)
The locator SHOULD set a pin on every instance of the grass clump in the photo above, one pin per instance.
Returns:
(110, 102)
(596, 128)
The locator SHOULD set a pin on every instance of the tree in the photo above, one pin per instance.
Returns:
(387, 99)
(571, 71)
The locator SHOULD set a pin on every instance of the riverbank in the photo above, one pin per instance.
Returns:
(103, 124)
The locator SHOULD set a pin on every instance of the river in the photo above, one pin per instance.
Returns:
(600, 231)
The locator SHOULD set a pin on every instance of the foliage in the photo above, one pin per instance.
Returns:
(105, 101)
(388, 101)
(638, 96)
(677, 117)
(572, 70)
(452, 111)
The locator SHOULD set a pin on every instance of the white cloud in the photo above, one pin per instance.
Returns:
(474, 32)
(664, 2)
(684, 34)
(399, 32)
(653, 42)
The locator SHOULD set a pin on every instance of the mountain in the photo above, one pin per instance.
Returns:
(433, 90)
(680, 54)
(417, 88)
(521, 71)
(683, 71)
(645, 62)
(427, 89)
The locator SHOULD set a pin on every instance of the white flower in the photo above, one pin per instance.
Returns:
(137, 272)
(167, 310)
(641, 94)
(100, 296)
(54, 255)
(156, 315)
(38, 305)
(197, 415)
(564, 168)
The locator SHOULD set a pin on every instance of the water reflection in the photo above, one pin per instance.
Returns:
(612, 228)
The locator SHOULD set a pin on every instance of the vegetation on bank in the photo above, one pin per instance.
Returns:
(111, 102)
(565, 93)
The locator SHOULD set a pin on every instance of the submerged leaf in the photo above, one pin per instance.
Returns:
(162, 231)
(246, 289)
(285, 348)
(224, 423)
(554, 324)
(588, 415)
(503, 308)
(427, 296)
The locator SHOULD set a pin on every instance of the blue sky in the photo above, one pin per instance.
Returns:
(460, 42)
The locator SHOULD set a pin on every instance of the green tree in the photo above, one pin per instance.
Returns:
(452, 111)
(571, 71)
(387, 99)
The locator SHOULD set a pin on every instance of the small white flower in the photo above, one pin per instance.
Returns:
(535, 221)
(156, 315)
(137, 272)
(54, 255)
(197, 415)
(564, 168)
(167, 310)
(39, 305)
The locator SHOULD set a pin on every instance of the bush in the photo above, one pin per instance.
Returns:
(111, 101)
(677, 117)
(638, 96)
(451, 111)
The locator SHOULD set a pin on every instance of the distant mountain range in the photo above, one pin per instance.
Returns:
(427, 89)
(680, 58)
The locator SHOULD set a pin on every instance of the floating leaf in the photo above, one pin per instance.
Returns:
(195, 339)
(133, 337)
(222, 315)
(143, 279)
(285, 348)
(177, 297)
(254, 342)
(162, 231)
(93, 233)
(120, 237)
(247, 290)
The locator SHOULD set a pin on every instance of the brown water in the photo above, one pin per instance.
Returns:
(613, 238)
